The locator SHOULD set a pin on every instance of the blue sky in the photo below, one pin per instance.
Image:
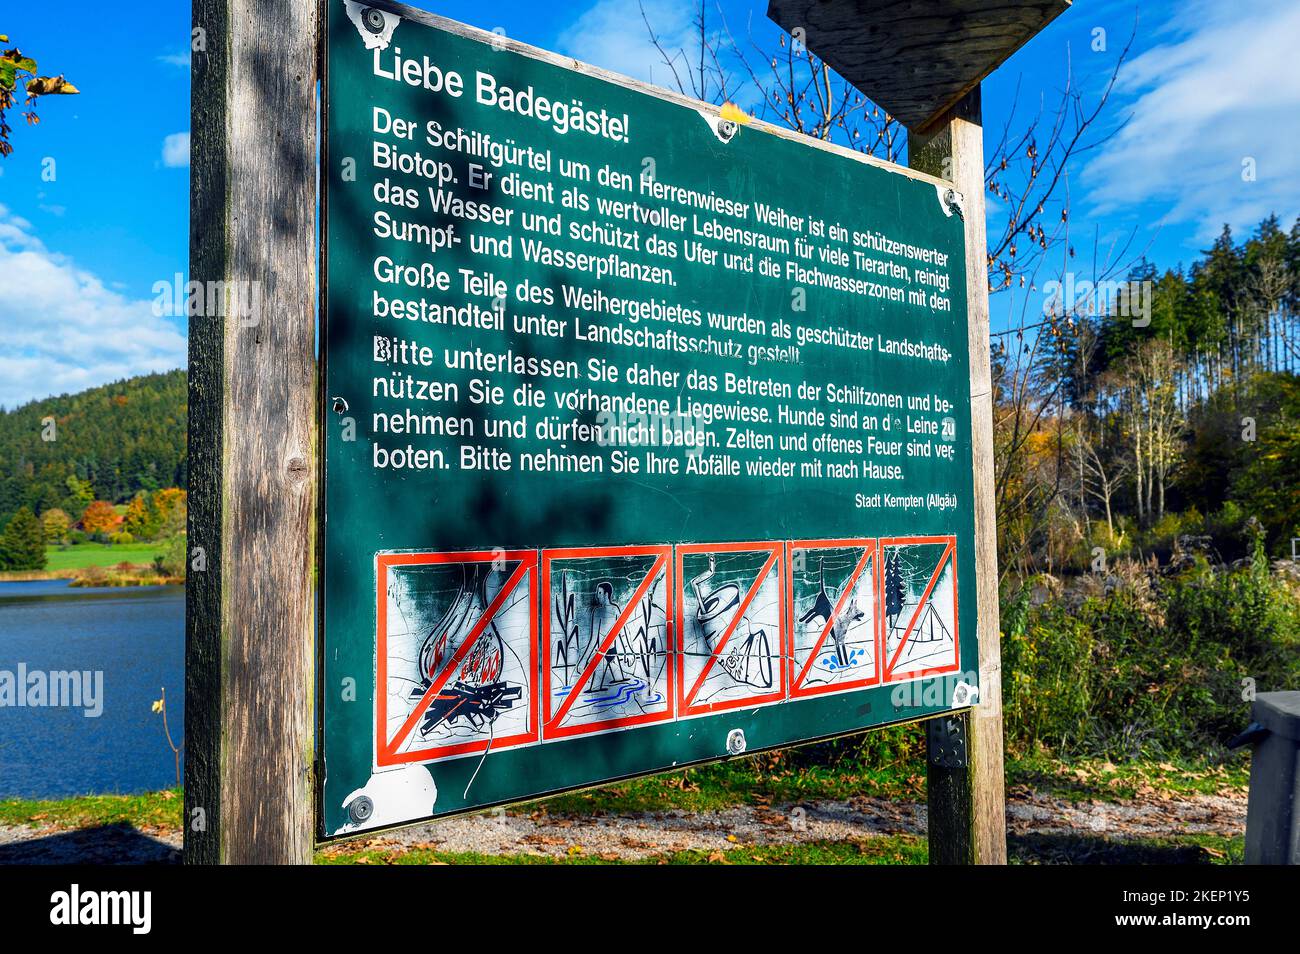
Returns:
(1209, 85)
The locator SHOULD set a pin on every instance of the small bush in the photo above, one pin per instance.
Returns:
(1144, 666)
(1228, 528)
(92, 575)
(171, 562)
(1162, 538)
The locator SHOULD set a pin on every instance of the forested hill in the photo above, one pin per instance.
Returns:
(107, 443)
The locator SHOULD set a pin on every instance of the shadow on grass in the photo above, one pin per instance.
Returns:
(115, 844)
(1056, 849)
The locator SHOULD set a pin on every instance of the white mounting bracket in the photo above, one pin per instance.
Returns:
(374, 25)
(724, 129)
(964, 694)
(953, 202)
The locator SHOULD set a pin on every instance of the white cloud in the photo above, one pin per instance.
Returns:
(175, 59)
(64, 330)
(612, 34)
(176, 150)
(1222, 89)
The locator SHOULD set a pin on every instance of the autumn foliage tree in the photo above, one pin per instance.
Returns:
(170, 503)
(140, 519)
(160, 514)
(17, 70)
(100, 517)
(56, 523)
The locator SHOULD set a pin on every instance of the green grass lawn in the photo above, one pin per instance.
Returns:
(880, 850)
(162, 810)
(81, 555)
(885, 850)
(759, 780)
(749, 781)
(1085, 779)
(762, 780)
(152, 809)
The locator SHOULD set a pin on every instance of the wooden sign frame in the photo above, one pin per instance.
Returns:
(255, 450)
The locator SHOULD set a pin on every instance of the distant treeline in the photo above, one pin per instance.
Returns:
(1129, 433)
(108, 443)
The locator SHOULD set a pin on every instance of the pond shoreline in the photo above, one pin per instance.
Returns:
(32, 576)
(95, 576)
(131, 640)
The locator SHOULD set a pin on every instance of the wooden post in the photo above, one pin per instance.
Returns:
(250, 599)
(966, 792)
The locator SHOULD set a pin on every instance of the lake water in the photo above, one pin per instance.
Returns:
(136, 638)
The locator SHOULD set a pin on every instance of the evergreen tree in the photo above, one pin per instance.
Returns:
(112, 442)
(22, 547)
(1293, 266)
(1226, 277)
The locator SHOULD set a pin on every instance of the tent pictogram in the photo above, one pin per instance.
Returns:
(919, 607)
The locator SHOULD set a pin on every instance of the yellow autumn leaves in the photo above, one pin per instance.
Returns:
(50, 86)
(733, 113)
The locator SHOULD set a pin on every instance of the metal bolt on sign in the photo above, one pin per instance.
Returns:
(736, 742)
(361, 808)
(373, 20)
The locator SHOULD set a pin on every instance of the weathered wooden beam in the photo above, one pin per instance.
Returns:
(915, 58)
(250, 599)
(966, 791)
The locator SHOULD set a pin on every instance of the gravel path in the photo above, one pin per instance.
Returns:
(639, 835)
(631, 836)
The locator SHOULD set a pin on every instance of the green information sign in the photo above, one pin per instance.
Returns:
(647, 430)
